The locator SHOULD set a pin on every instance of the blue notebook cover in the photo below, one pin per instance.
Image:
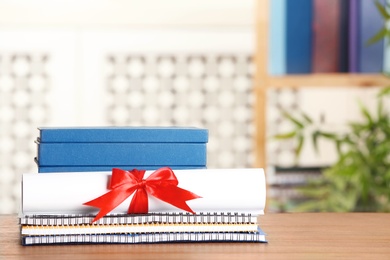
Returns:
(371, 56)
(103, 154)
(49, 169)
(277, 41)
(122, 134)
(299, 36)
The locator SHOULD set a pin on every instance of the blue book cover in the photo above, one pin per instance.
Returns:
(101, 154)
(371, 56)
(49, 169)
(299, 36)
(122, 135)
(277, 41)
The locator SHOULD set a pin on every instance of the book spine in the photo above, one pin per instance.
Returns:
(277, 59)
(138, 154)
(354, 44)
(326, 42)
(344, 35)
(299, 36)
(371, 56)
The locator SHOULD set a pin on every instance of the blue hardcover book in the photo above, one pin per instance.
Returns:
(371, 56)
(49, 169)
(277, 58)
(103, 154)
(299, 36)
(123, 135)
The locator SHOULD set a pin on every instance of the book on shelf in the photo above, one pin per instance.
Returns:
(370, 56)
(299, 18)
(326, 36)
(353, 38)
(277, 41)
(343, 35)
(330, 36)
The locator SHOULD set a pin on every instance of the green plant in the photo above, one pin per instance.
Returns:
(360, 179)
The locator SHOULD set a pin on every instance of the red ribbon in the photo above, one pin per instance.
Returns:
(161, 184)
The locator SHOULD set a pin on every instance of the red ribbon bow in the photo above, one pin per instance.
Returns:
(162, 184)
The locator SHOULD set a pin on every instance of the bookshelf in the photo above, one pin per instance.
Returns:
(263, 81)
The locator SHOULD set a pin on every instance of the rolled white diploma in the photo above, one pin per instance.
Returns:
(222, 190)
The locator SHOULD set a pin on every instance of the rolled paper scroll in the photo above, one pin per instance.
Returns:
(221, 190)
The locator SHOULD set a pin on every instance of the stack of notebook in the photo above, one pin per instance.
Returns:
(80, 149)
(225, 207)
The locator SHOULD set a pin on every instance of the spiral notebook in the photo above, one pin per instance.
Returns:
(146, 238)
(162, 218)
(134, 229)
(140, 228)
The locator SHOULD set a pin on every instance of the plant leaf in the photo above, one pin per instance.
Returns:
(328, 135)
(288, 135)
(314, 138)
(382, 10)
(299, 146)
(384, 92)
(293, 119)
(377, 37)
(307, 118)
(365, 113)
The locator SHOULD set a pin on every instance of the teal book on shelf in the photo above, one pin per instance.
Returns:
(277, 41)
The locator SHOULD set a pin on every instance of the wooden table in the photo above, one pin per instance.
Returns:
(290, 236)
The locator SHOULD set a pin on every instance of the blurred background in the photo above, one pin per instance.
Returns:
(124, 62)
(160, 63)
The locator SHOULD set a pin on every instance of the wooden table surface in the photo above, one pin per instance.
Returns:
(290, 236)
